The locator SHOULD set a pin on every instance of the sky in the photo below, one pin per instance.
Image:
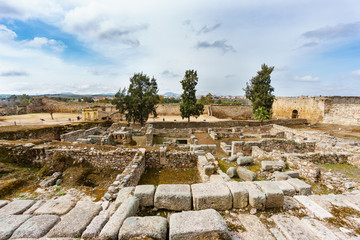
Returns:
(93, 46)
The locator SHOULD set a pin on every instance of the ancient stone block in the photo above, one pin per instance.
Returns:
(94, 228)
(254, 227)
(246, 174)
(9, 223)
(280, 176)
(55, 207)
(3, 203)
(272, 165)
(16, 207)
(274, 195)
(231, 172)
(145, 194)
(286, 187)
(204, 224)
(257, 198)
(313, 207)
(34, 207)
(124, 194)
(211, 195)
(241, 161)
(175, 197)
(153, 227)
(239, 194)
(36, 226)
(300, 186)
(217, 178)
(209, 169)
(293, 174)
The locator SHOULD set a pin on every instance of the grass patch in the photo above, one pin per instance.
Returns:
(159, 140)
(349, 170)
(156, 176)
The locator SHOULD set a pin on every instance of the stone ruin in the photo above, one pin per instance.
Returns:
(274, 201)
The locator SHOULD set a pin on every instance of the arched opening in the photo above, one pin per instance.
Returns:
(294, 114)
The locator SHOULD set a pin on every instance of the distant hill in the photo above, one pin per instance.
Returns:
(170, 94)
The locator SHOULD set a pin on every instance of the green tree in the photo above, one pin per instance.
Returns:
(261, 114)
(189, 105)
(209, 98)
(259, 91)
(139, 100)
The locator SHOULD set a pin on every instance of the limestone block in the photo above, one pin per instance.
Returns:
(317, 228)
(145, 194)
(272, 165)
(209, 169)
(74, 222)
(293, 174)
(56, 207)
(128, 208)
(280, 176)
(51, 180)
(124, 194)
(176, 197)
(274, 195)
(211, 195)
(9, 223)
(34, 207)
(94, 228)
(257, 198)
(153, 227)
(231, 172)
(286, 187)
(246, 174)
(204, 224)
(16, 207)
(36, 226)
(313, 207)
(239, 194)
(233, 158)
(3, 203)
(241, 161)
(217, 178)
(300, 186)
(254, 227)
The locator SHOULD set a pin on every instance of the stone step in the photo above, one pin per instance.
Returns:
(176, 197)
(16, 207)
(153, 227)
(211, 195)
(36, 226)
(274, 195)
(348, 202)
(257, 198)
(34, 207)
(318, 229)
(56, 207)
(239, 194)
(292, 227)
(3, 203)
(203, 224)
(9, 223)
(145, 194)
(74, 223)
(313, 207)
(286, 187)
(326, 201)
(301, 187)
(254, 227)
(128, 208)
(94, 228)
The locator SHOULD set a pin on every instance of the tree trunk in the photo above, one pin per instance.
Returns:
(51, 114)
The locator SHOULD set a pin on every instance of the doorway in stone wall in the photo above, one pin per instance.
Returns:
(294, 114)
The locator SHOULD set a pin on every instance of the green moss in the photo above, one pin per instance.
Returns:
(349, 170)
(156, 176)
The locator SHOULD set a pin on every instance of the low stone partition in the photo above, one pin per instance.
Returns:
(269, 145)
(165, 158)
(210, 147)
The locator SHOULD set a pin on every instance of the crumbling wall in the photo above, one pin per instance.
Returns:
(173, 159)
(238, 112)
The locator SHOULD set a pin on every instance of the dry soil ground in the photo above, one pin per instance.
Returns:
(35, 119)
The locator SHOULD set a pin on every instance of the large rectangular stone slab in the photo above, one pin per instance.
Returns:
(36, 226)
(145, 194)
(34, 207)
(274, 195)
(301, 187)
(286, 187)
(9, 223)
(313, 207)
(3, 203)
(124, 194)
(74, 223)
(94, 228)
(292, 227)
(254, 227)
(128, 208)
(211, 195)
(154, 227)
(257, 198)
(204, 224)
(176, 197)
(16, 207)
(272, 165)
(56, 207)
(246, 174)
(318, 229)
(239, 194)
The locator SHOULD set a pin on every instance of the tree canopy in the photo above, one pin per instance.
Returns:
(189, 105)
(139, 100)
(259, 92)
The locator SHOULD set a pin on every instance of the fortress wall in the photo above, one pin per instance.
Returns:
(239, 112)
(343, 110)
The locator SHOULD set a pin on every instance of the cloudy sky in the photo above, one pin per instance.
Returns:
(93, 46)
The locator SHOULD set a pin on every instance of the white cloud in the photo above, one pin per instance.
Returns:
(6, 34)
(40, 42)
(307, 78)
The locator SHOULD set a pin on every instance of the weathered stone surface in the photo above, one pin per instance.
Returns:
(277, 234)
(124, 194)
(239, 194)
(292, 227)
(128, 208)
(286, 187)
(254, 227)
(175, 197)
(348, 201)
(9, 223)
(293, 174)
(204, 224)
(313, 207)
(145, 194)
(233, 158)
(3, 203)
(51, 180)
(231, 172)
(272, 165)
(318, 229)
(153, 227)
(324, 203)
(74, 223)
(209, 169)
(280, 176)
(94, 228)
(32, 209)
(246, 174)
(274, 195)
(36, 226)
(56, 207)
(16, 207)
(241, 161)
(211, 195)
(257, 198)
(217, 179)
(301, 187)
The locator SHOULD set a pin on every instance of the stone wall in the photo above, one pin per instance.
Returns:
(173, 159)
(239, 112)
